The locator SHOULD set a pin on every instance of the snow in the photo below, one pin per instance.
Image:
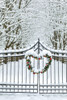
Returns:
(17, 50)
(42, 54)
(35, 24)
(32, 97)
(28, 48)
(39, 20)
(31, 52)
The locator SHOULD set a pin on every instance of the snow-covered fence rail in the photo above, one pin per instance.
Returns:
(16, 78)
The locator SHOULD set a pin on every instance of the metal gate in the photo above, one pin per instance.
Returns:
(16, 78)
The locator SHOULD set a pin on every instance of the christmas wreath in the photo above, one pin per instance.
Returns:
(32, 54)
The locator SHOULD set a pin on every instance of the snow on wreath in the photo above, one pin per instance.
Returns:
(41, 56)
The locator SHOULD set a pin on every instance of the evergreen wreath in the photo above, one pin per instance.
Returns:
(28, 63)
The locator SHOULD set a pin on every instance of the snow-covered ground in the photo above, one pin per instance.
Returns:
(32, 97)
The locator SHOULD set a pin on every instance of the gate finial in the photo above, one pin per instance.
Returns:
(38, 39)
(38, 45)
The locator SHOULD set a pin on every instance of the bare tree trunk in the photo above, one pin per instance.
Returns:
(20, 2)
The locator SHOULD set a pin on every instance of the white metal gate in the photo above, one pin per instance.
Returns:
(16, 78)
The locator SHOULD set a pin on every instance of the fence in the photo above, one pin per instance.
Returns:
(16, 78)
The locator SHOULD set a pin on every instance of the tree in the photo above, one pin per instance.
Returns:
(58, 41)
(12, 23)
(58, 23)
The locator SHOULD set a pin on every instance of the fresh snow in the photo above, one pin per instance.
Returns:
(33, 53)
(44, 52)
(32, 97)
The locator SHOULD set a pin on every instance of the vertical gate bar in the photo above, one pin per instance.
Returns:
(47, 82)
(22, 74)
(62, 71)
(25, 77)
(58, 72)
(3, 70)
(51, 75)
(22, 70)
(43, 73)
(33, 74)
(38, 76)
(10, 70)
(54, 72)
(66, 72)
(58, 69)
(30, 77)
(7, 70)
(18, 72)
(14, 70)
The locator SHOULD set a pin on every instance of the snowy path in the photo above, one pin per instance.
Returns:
(32, 97)
(36, 22)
